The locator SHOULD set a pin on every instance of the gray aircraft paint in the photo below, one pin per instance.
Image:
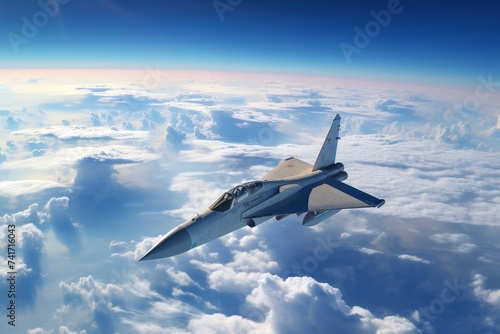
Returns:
(292, 187)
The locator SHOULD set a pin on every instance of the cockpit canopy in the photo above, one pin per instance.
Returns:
(236, 195)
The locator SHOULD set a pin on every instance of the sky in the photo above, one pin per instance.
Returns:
(412, 41)
(121, 120)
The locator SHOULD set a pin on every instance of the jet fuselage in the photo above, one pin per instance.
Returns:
(249, 204)
(292, 187)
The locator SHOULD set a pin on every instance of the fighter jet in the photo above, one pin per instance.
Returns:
(315, 192)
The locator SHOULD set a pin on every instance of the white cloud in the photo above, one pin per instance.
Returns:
(88, 291)
(30, 235)
(90, 304)
(140, 249)
(395, 145)
(114, 243)
(165, 315)
(139, 287)
(368, 251)
(447, 184)
(248, 241)
(393, 324)
(413, 258)
(66, 330)
(62, 330)
(219, 323)
(178, 277)
(300, 304)
(239, 275)
(459, 242)
(115, 154)
(25, 187)
(61, 222)
(201, 189)
(21, 268)
(30, 215)
(61, 163)
(28, 252)
(82, 132)
(39, 330)
(217, 151)
(490, 296)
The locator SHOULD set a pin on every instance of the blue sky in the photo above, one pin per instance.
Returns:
(424, 41)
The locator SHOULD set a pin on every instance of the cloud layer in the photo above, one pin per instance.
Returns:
(92, 188)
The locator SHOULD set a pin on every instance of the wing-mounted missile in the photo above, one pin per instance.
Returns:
(316, 217)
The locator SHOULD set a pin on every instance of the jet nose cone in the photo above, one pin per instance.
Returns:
(173, 243)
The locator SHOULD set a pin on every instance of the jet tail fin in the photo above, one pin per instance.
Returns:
(328, 151)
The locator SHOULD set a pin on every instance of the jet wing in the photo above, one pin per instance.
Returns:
(287, 168)
(331, 195)
(336, 195)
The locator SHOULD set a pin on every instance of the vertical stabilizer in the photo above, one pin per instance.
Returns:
(328, 151)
